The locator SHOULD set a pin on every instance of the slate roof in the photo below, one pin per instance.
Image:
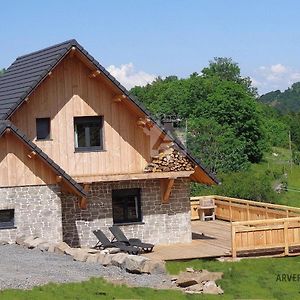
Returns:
(28, 71)
(4, 125)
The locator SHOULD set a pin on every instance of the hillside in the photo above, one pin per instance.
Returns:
(286, 101)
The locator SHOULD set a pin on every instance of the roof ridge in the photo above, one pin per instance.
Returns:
(71, 41)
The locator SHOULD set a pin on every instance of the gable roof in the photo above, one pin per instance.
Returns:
(4, 125)
(28, 71)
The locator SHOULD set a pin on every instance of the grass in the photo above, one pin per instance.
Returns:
(250, 278)
(279, 165)
(247, 279)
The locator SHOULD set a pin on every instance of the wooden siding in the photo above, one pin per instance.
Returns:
(17, 169)
(70, 92)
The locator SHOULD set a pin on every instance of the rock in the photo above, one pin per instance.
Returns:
(154, 267)
(80, 255)
(106, 260)
(70, 251)
(61, 247)
(210, 287)
(93, 251)
(51, 247)
(28, 240)
(92, 258)
(34, 243)
(20, 240)
(43, 246)
(195, 287)
(205, 275)
(119, 260)
(2, 242)
(191, 270)
(186, 279)
(134, 263)
(113, 250)
(100, 258)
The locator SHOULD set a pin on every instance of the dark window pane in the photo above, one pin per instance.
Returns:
(88, 132)
(7, 218)
(43, 128)
(126, 206)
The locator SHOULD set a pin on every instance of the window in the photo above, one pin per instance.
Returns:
(42, 128)
(88, 133)
(7, 218)
(126, 206)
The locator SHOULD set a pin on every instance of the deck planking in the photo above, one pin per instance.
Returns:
(210, 239)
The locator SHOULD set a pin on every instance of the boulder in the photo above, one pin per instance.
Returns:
(191, 270)
(195, 287)
(100, 258)
(205, 275)
(43, 246)
(2, 243)
(92, 258)
(51, 247)
(80, 255)
(210, 287)
(70, 251)
(186, 279)
(106, 260)
(20, 240)
(134, 263)
(61, 247)
(34, 243)
(112, 250)
(119, 259)
(28, 240)
(154, 267)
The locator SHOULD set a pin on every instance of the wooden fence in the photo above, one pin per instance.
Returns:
(257, 226)
(232, 209)
(268, 235)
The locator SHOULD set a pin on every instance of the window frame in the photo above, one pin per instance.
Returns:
(123, 193)
(49, 126)
(9, 224)
(82, 120)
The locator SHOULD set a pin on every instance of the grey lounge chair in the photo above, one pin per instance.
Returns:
(120, 237)
(104, 242)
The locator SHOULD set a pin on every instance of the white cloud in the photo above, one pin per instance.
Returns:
(129, 76)
(278, 69)
(274, 77)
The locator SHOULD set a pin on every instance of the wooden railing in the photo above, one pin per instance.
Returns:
(267, 235)
(257, 226)
(233, 209)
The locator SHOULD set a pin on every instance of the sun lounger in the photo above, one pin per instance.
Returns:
(103, 242)
(120, 237)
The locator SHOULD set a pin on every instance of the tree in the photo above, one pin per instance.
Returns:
(216, 145)
(2, 71)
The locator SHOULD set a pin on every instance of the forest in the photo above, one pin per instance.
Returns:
(249, 144)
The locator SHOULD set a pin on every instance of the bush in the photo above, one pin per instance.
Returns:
(243, 185)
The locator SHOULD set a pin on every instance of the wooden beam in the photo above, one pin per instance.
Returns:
(166, 186)
(32, 154)
(135, 176)
(72, 52)
(83, 200)
(94, 74)
(144, 123)
(58, 179)
(119, 98)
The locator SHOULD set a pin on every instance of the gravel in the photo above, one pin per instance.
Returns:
(21, 268)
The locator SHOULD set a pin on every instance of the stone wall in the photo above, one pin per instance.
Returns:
(162, 223)
(37, 211)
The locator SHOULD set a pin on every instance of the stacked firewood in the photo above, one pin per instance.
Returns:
(169, 160)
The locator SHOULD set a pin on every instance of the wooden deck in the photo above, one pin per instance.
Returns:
(210, 239)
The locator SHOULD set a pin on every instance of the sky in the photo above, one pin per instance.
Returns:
(138, 40)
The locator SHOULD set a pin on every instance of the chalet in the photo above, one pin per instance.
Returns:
(78, 152)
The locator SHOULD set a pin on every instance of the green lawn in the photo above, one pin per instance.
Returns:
(247, 279)
(280, 165)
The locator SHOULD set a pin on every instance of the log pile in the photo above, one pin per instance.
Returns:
(169, 160)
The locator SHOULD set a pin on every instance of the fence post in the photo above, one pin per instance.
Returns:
(230, 211)
(286, 237)
(233, 242)
(248, 212)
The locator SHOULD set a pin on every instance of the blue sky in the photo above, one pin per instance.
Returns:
(138, 39)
